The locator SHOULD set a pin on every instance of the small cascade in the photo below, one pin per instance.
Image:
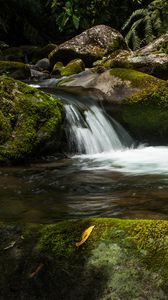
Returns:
(91, 131)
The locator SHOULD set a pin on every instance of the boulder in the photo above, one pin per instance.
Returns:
(43, 64)
(57, 68)
(151, 59)
(137, 100)
(17, 70)
(29, 121)
(90, 46)
(121, 259)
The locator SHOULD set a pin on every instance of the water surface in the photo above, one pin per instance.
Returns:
(130, 183)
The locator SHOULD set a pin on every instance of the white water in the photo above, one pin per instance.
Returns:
(139, 161)
(90, 131)
(102, 144)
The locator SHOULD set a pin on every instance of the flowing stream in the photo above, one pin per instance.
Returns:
(104, 174)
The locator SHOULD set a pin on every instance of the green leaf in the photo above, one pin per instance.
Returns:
(76, 21)
(62, 20)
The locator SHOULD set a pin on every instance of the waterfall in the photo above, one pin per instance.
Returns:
(90, 130)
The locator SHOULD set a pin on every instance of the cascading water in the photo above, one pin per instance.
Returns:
(90, 131)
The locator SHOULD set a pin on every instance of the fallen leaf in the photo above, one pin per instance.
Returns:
(11, 245)
(85, 235)
(37, 271)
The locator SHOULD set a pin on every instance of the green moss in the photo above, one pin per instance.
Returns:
(121, 259)
(33, 119)
(57, 68)
(137, 79)
(75, 66)
(146, 113)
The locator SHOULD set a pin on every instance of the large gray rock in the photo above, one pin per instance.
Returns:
(151, 59)
(90, 45)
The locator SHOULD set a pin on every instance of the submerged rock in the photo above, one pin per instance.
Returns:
(90, 46)
(29, 121)
(122, 259)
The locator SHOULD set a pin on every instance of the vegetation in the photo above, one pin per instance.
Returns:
(40, 22)
(147, 23)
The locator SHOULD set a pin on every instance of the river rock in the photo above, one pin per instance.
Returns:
(151, 59)
(121, 259)
(137, 100)
(43, 64)
(29, 121)
(75, 66)
(90, 46)
(57, 68)
(17, 70)
(38, 75)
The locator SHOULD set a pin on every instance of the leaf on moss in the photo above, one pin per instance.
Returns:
(85, 235)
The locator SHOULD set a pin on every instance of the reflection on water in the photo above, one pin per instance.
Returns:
(127, 184)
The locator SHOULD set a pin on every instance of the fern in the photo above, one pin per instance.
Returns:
(145, 24)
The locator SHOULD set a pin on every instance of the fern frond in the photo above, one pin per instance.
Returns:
(148, 29)
(136, 42)
(137, 13)
(156, 21)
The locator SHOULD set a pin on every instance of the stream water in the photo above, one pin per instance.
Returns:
(104, 175)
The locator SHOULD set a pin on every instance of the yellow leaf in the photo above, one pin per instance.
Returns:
(85, 235)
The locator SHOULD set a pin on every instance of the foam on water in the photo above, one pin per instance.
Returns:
(142, 160)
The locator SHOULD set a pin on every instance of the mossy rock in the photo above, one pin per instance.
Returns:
(145, 112)
(29, 121)
(90, 45)
(17, 70)
(121, 259)
(57, 68)
(75, 66)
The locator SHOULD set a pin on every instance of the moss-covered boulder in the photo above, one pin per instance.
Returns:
(151, 59)
(57, 68)
(17, 70)
(90, 46)
(145, 111)
(29, 121)
(121, 259)
(75, 66)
